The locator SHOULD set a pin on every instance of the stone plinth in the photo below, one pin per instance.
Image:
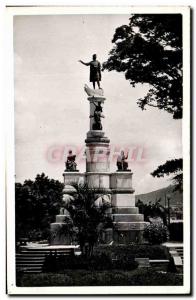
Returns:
(98, 180)
(122, 181)
(123, 200)
(95, 134)
(73, 177)
(128, 217)
(60, 218)
(126, 237)
(58, 236)
(97, 137)
(125, 210)
(70, 177)
(127, 226)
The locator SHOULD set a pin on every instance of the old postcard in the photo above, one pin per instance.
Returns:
(98, 156)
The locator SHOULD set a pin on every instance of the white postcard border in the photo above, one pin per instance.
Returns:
(10, 159)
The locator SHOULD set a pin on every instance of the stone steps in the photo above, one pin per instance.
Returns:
(31, 260)
(60, 218)
(180, 252)
(127, 226)
(177, 252)
(125, 210)
(128, 217)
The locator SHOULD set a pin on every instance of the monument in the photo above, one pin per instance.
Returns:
(128, 223)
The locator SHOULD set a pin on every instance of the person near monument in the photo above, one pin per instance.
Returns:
(70, 163)
(122, 164)
(95, 70)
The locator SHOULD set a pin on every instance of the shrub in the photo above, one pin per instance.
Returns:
(156, 233)
(138, 277)
(125, 263)
(88, 279)
(55, 263)
(46, 279)
(149, 251)
(100, 262)
(72, 262)
(143, 277)
(176, 231)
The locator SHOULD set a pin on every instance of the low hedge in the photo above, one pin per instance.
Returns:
(101, 278)
(148, 251)
(101, 261)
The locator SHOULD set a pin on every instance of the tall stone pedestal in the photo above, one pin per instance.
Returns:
(128, 223)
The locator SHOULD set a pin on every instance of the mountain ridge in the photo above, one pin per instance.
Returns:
(176, 198)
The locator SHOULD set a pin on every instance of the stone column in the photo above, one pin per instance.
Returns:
(97, 148)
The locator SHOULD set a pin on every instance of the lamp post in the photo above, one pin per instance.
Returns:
(168, 207)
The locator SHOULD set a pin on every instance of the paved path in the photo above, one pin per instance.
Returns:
(173, 244)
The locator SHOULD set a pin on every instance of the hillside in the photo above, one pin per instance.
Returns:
(176, 197)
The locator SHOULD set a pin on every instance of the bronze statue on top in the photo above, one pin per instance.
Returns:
(95, 70)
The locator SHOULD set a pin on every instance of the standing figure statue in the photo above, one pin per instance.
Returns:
(97, 117)
(122, 164)
(95, 70)
(70, 163)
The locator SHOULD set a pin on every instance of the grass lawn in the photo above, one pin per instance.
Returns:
(100, 278)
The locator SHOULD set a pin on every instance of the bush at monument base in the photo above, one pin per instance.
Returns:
(101, 278)
(96, 262)
(139, 250)
(156, 234)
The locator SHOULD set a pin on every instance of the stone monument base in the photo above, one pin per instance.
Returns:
(127, 237)
(58, 236)
(128, 224)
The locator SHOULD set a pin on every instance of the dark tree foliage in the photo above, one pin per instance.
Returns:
(174, 166)
(149, 50)
(89, 218)
(36, 204)
(152, 210)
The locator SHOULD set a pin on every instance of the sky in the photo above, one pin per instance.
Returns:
(51, 107)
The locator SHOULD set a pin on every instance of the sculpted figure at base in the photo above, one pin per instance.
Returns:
(70, 163)
(122, 164)
(95, 70)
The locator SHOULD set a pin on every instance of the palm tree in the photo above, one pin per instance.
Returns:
(88, 210)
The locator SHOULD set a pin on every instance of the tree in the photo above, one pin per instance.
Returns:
(36, 204)
(174, 166)
(88, 212)
(149, 50)
(152, 210)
